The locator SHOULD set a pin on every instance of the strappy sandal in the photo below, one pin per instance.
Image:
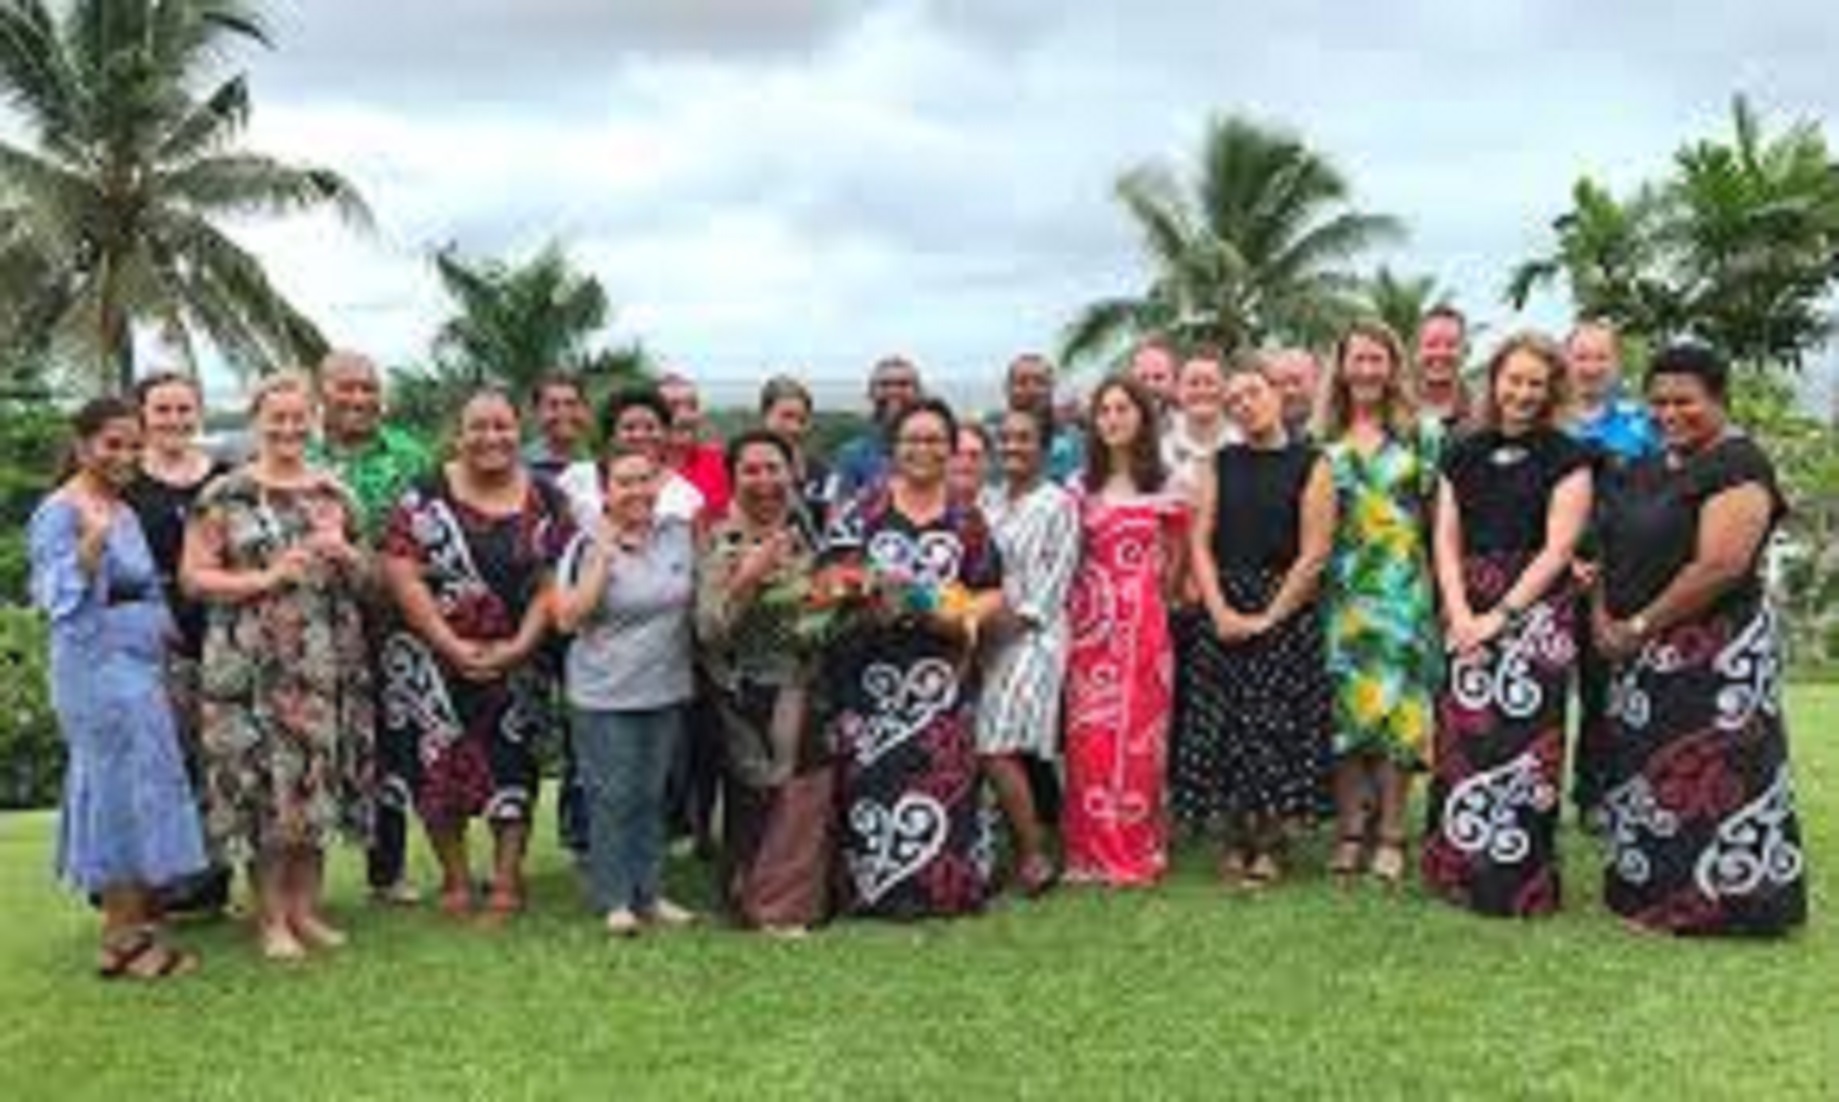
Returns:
(143, 957)
(1263, 871)
(1389, 861)
(501, 907)
(1231, 867)
(1345, 864)
(1036, 877)
(457, 902)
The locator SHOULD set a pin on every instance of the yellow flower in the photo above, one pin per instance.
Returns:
(1411, 723)
(1367, 700)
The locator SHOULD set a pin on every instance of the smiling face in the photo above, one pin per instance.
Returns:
(563, 417)
(1153, 368)
(639, 429)
(352, 399)
(1117, 419)
(171, 416)
(1200, 390)
(111, 455)
(892, 388)
(488, 435)
(283, 422)
(922, 448)
(632, 490)
(1594, 364)
(685, 406)
(1031, 383)
(1018, 442)
(968, 464)
(1523, 390)
(1368, 371)
(1689, 415)
(1440, 350)
(762, 480)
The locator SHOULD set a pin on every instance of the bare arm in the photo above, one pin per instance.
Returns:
(403, 581)
(1315, 541)
(1227, 623)
(576, 602)
(205, 576)
(1732, 527)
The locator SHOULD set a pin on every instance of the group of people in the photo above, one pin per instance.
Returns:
(1223, 597)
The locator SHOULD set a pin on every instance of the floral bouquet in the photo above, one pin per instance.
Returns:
(839, 597)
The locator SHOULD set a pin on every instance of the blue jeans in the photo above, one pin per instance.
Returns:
(625, 760)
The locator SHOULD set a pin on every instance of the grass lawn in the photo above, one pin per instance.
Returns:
(1179, 992)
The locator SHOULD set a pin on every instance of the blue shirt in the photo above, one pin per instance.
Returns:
(860, 463)
(1623, 429)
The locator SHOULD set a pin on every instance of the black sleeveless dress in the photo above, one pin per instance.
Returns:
(1255, 735)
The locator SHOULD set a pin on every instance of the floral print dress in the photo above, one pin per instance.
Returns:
(1383, 651)
(286, 706)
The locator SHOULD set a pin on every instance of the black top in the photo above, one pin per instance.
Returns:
(1648, 518)
(163, 509)
(1503, 486)
(1258, 505)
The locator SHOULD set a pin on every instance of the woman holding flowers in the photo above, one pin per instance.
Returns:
(903, 682)
(778, 790)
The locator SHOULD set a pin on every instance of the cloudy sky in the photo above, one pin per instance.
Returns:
(768, 184)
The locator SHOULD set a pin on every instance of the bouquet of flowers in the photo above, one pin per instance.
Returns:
(839, 597)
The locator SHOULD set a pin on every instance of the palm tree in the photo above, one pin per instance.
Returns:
(1402, 301)
(1253, 250)
(1739, 246)
(111, 217)
(517, 321)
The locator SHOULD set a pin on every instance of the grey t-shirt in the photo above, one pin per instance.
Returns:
(633, 652)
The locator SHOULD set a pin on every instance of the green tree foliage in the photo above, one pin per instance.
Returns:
(1738, 246)
(1253, 248)
(111, 215)
(1401, 301)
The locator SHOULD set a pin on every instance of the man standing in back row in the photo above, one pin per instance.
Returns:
(862, 461)
(376, 463)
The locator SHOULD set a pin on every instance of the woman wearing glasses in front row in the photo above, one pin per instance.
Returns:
(1703, 834)
(904, 686)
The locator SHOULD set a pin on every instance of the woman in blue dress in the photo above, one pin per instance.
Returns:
(128, 824)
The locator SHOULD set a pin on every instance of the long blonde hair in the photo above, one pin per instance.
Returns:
(1337, 404)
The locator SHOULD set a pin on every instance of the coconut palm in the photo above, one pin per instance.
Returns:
(1401, 301)
(1738, 246)
(517, 321)
(1254, 248)
(111, 216)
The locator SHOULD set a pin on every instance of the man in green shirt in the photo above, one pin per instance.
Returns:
(376, 463)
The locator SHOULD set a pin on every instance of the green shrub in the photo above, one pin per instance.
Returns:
(31, 749)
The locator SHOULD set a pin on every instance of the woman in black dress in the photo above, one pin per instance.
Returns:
(173, 472)
(1512, 501)
(1254, 745)
(1701, 819)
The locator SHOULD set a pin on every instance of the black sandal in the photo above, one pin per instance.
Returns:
(124, 959)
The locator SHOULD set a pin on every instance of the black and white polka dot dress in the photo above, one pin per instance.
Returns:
(1257, 718)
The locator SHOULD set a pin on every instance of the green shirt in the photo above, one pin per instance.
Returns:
(377, 473)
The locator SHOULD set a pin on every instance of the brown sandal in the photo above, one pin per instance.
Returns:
(143, 957)
(1346, 862)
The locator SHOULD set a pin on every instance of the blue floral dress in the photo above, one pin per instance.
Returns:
(128, 816)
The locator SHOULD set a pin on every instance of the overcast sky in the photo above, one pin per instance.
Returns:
(773, 184)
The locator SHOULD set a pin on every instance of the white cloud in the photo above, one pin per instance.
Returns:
(769, 184)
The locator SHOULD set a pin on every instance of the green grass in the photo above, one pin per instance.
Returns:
(1179, 992)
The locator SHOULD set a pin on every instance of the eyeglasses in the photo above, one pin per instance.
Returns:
(928, 440)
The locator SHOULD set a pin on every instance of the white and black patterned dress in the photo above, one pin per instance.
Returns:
(1024, 676)
(1704, 837)
(1255, 728)
(1490, 843)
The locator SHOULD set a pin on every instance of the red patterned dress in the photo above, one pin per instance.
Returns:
(1120, 689)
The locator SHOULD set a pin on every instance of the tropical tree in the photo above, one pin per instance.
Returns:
(516, 321)
(112, 215)
(1253, 248)
(1401, 301)
(1738, 246)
